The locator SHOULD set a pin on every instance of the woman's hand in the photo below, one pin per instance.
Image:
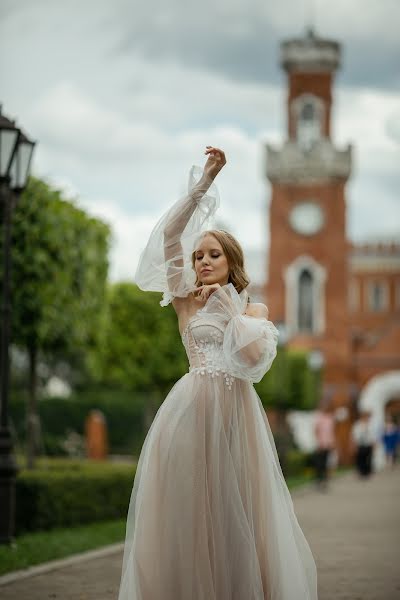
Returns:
(216, 160)
(205, 291)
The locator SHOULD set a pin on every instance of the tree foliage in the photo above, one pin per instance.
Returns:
(58, 276)
(141, 348)
(59, 271)
(290, 383)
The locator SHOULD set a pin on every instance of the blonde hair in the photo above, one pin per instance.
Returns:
(234, 255)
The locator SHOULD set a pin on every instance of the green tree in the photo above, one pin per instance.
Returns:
(59, 272)
(141, 349)
(290, 383)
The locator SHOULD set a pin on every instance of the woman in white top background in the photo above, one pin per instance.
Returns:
(364, 436)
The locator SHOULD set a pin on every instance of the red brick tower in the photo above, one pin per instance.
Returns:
(307, 284)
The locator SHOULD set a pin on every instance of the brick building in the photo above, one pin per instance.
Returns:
(337, 299)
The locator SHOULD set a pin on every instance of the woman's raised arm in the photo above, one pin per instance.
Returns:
(165, 263)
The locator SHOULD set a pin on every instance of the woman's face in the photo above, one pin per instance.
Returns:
(211, 264)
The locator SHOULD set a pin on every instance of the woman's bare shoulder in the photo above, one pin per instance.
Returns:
(257, 309)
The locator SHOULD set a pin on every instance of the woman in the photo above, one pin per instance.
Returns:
(210, 516)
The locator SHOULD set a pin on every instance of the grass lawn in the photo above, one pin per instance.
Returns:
(34, 548)
(41, 546)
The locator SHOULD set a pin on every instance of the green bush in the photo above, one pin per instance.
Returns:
(295, 463)
(123, 411)
(290, 383)
(71, 493)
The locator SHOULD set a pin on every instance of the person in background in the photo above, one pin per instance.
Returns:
(324, 430)
(364, 437)
(390, 440)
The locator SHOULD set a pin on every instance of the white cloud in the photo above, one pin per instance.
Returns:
(121, 129)
(130, 234)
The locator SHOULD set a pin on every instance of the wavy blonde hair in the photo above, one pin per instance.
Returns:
(234, 255)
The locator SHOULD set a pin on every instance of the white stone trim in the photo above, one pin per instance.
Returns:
(366, 262)
(310, 54)
(291, 278)
(323, 163)
(377, 392)
(369, 284)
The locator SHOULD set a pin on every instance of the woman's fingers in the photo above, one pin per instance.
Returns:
(217, 157)
(205, 291)
(213, 150)
(202, 292)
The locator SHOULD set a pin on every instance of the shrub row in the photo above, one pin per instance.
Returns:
(124, 413)
(295, 463)
(71, 495)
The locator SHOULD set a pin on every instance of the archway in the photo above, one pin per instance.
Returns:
(377, 393)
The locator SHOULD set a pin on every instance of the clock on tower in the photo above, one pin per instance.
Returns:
(306, 289)
(306, 218)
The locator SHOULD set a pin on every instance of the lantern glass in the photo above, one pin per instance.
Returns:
(19, 171)
(8, 141)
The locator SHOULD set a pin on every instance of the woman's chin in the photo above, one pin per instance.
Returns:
(210, 280)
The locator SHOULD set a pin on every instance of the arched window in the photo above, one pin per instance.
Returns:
(309, 114)
(305, 296)
(305, 303)
(378, 296)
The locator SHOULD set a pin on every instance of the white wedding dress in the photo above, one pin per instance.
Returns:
(210, 516)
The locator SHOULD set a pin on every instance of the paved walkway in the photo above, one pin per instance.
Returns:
(353, 530)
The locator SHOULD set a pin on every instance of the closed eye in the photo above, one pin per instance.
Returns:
(200, 256)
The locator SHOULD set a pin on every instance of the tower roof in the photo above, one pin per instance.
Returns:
(310, 53)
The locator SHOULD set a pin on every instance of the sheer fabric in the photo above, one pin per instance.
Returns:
(250, 343)
(165, 263)
(210, 515)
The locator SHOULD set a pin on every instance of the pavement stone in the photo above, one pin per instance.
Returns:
(353, 530)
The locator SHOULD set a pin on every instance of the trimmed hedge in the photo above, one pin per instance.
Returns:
(72, 494)
(124, 413)
(296, 463)
(62, 493)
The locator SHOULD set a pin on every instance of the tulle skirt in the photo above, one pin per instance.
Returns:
(210, 515)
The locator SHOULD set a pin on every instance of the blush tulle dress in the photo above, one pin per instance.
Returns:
(210, 515)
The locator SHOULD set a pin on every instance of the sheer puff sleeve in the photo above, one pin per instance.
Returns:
(250, 343)
(165, 263)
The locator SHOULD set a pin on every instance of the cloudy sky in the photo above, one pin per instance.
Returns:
(123, 96)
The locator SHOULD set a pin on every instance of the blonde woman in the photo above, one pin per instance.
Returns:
(210, 516)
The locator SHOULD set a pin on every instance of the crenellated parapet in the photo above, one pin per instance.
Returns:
(323, 163)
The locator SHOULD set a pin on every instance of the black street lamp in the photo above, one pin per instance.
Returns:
(15, 158)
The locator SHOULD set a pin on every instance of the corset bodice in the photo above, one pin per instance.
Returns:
(203, 340)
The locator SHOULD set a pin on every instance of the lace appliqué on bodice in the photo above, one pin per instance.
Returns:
(203, 340)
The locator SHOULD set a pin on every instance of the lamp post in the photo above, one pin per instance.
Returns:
(15, 158)
(316, 362)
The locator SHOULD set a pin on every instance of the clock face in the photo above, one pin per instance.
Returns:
(307, 218)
